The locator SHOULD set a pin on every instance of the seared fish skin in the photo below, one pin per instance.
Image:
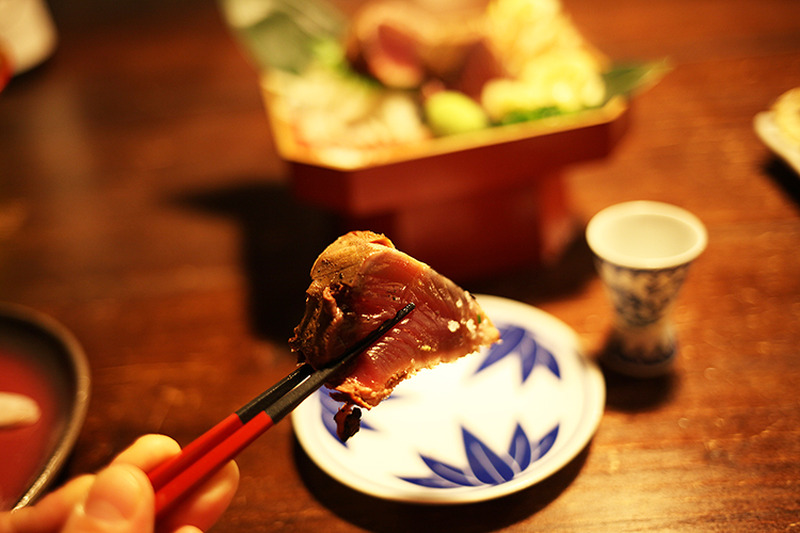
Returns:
(358, 282)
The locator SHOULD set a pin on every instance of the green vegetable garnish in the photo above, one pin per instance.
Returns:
(526, 115)
(450, 112)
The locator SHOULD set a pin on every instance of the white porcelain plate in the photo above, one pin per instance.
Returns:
(770, 134)
(485, 426)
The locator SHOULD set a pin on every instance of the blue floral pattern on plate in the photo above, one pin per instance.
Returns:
(518, 341)
(484, 465)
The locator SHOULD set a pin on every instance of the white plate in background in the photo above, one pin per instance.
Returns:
(767, 130)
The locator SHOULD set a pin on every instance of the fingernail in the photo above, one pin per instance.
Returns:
(115, 495)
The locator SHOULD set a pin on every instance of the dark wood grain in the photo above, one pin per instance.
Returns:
(143, 206)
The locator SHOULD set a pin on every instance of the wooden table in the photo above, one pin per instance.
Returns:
(143, 206)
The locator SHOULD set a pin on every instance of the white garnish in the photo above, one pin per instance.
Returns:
(17, 410)
(471, 326)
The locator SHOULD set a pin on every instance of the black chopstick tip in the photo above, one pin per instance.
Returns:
(402, 313)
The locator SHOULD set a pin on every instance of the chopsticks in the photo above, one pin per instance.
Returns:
(178, 476)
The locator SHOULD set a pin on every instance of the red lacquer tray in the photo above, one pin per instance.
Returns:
(470, 205)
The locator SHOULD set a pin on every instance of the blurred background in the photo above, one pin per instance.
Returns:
(143, 204)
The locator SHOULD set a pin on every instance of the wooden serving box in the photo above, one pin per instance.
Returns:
(470, 205)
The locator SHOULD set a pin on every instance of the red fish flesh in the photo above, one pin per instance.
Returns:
(360, 281)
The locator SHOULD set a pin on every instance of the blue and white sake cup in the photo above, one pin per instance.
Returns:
(643, 250)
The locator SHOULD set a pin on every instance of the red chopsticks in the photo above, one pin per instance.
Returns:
(204, 456)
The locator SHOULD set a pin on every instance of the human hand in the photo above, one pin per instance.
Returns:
(120, 498)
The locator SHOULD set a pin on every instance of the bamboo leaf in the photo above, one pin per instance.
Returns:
(283, 34)
(628, 79)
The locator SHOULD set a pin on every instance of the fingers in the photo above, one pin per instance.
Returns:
(204, 506)
(50, 513)
(120, 501)
(187, 529)
(120, 498)
(148, 451)
(200, 509)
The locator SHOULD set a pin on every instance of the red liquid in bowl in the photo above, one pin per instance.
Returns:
(24, 451)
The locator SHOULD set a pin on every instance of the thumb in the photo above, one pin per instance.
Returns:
(119, 501)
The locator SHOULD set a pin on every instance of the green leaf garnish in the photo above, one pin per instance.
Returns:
(284, 34)
(526, 115)
(627, 79)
